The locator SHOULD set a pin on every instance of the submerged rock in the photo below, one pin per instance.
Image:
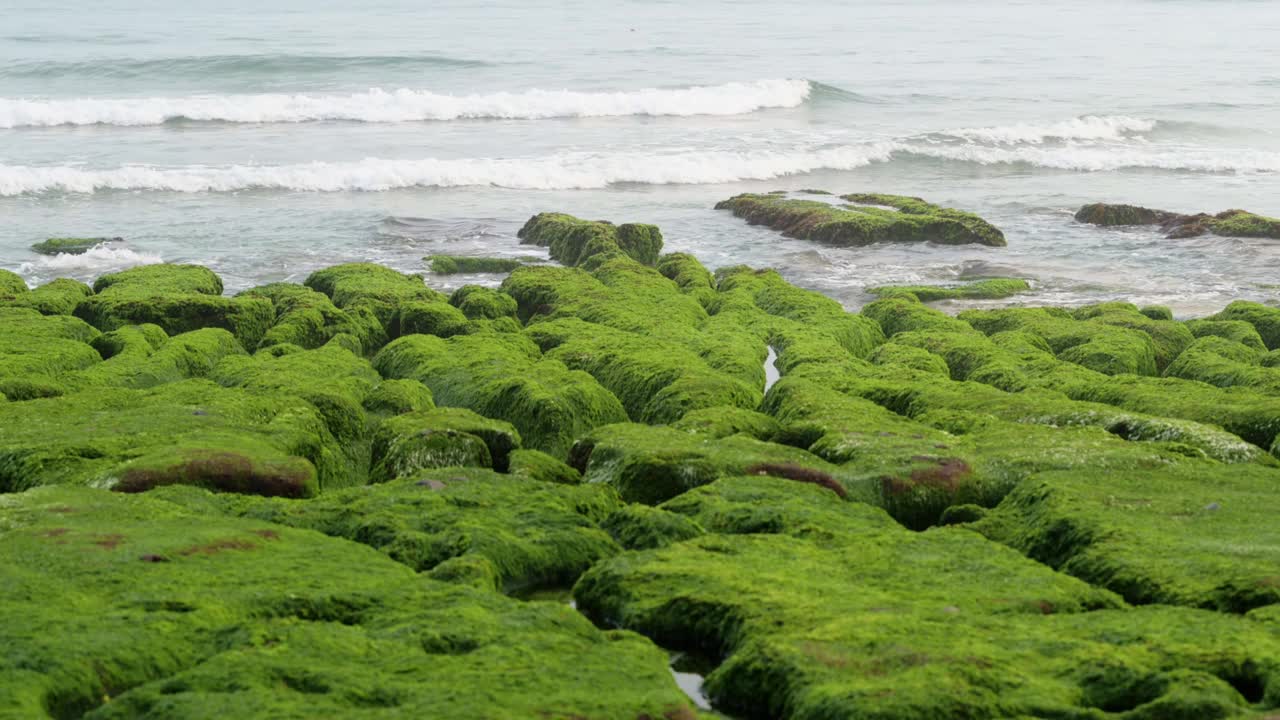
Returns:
(71, 246)
(1228, 223)
(989, 289)
(453, 264)
(864, 219)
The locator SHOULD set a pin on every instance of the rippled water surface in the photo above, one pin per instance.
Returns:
(269, 138)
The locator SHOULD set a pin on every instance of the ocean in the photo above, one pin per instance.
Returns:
(266, 139)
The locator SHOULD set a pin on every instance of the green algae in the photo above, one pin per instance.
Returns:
(1237, 331)
(503, 376)
(70, 246)
(135, 607)
(309, 319)
(640, 527)
(454, 264)
(819, 608)
(56, 297)
(365, 288)
(864, 220)
(396, 397)
(989, 289)
(1264, 319)
(482, 303)
(178, 298)
(441, 437)
(539, 466)
(722, 421)
(95, 438)
(573, 241)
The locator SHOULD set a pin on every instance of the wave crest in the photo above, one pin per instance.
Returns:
(1086, 127)
(404, 105)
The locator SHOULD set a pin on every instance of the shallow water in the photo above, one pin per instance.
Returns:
(271, 138)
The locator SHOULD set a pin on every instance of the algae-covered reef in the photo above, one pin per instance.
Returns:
(328, 499)
(864, 218)
(1228, 223)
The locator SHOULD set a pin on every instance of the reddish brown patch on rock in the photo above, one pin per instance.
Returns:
(153, 558)
(799, 473)
(223, 472)
(217, 546)
(1045, 607)
(945, 475)
(109, 542)
(55, 532)
(682, 712)
(265, 533)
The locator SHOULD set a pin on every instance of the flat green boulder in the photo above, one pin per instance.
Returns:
(989, 289)
(438, 438)
(117, 606)
(454, 264)
(71, 246)
(814, 608)
(178, 298)
(863, 219)
(98, 437)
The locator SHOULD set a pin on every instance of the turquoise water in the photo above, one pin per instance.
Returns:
(266, 139)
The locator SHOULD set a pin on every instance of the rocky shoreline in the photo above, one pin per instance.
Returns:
(326, 499)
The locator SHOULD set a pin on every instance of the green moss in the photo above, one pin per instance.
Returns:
(37, 351)
(397, 397)
(431, 318)
(723, 421)
(482, 303)
(11, 285)
(539, 466)
(132, 607)
(1188, 533)
(1169, 338)
(1263, 318)
(657, 381)
(862, 222)
(1113, 343)
(1224, 363)
(178, 298)
(309, 319)
(441, 437)
(373, 289)
(70, 246)
(990, 289)
(640, 527)
(653, 464)
(1156, 312)
(503, 376)
(57, 297)
(1237, 331)
(574, 242)
(1239, 223)
(141, 356)
(92, 438)
(453, 264)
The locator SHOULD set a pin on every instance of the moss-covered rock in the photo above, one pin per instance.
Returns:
(482, 303)
(397, 397)
(866, 218)
(1188, 533)
(1228, 223)
(37, 351)
(360, 288)
(57, 297)
(640, 527)
(503, 376)
(1237, 331)
(178, 298)
(989, 289)
(537, 465)
(96, 438)
(1264, 318)
(454, 264)
(653, 464)
(723, 421)
(438, 438)
(309, 319)
(70, 246)
(574, 242)
(118, 606)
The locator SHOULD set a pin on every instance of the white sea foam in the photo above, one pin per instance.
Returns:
(1095, 158)
(1087, 127)
(564, 171)
(102, 258)
(404, 105)
(570, 171)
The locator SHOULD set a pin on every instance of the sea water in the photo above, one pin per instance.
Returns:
(269, 138)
